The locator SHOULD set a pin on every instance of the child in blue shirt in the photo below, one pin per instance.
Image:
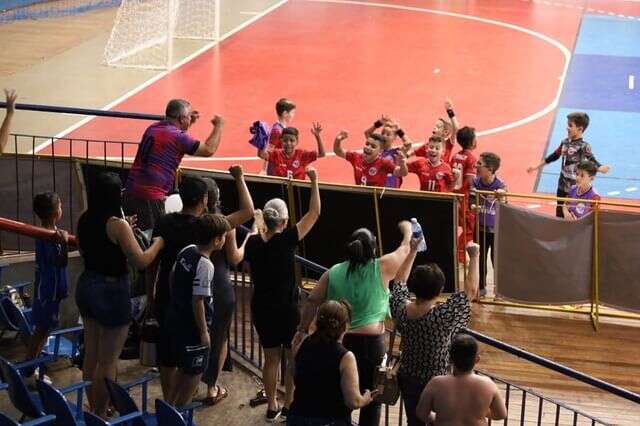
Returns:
(50, 285)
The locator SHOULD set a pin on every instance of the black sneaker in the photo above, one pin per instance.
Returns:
(273, 416)
(284, 413)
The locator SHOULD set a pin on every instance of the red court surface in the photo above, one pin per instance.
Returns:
(345, 63)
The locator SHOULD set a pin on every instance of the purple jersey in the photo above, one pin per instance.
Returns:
(487, 214)
(391, 181)
(159, 154)
(580, 209)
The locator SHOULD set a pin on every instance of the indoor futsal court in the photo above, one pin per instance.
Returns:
(513, 69)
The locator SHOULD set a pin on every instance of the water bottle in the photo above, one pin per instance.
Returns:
(416, 233)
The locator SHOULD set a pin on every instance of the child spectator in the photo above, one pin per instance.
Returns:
(583, 190)
(446, 128)
(573, 149)
(6, 123)
(487, 166)
(369, 168)
(186, 322)
(434, 174)
(50, 285)
(288, 161)
(390, 130)
(465, 162)
(286, 110)
(462, 397)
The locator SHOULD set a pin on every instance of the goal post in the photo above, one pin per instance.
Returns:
(144, 30)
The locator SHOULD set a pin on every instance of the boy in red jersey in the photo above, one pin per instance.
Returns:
(369, 168)
(434, 174)
(446, 128)
(286, 111)
(288, 161)
(390, 130)
(465, 162)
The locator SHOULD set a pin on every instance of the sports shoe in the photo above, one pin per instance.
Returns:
(274, 416)
(284, 413)
(483, 292)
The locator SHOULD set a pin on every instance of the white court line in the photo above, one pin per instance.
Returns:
(613, 193)
(249, 13)
(632, 82)
(565, 52)
(162, 74)
(631, 189)
(533, 206)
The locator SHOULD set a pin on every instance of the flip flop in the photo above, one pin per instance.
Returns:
(220, 395)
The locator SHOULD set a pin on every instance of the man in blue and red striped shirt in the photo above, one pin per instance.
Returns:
(159, 154)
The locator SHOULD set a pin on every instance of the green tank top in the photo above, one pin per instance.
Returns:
(362, 289)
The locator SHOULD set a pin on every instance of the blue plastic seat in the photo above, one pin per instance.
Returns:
(8, 421)
(124, 403)
(30, 404)
(57, 346)
(167, 415)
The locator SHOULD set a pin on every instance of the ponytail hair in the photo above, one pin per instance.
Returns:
(333, 319)
(361, 248)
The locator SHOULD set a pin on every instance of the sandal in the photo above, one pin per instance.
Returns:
(220, 395)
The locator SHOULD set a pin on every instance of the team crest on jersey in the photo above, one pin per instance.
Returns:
(373, 171)
(571, 150)
(581, 208)
(296, 164)
(439, 175)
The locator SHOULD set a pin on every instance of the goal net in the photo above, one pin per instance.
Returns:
(144, 30)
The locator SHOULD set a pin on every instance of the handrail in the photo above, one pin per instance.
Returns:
(536, 359)
(85, 111)
(31, 230)
(544, 362)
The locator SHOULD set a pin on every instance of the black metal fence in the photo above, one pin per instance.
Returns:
(524, 406)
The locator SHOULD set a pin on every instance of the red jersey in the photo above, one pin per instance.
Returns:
(275, 135)
(290, 167)
(432, 178)
(370, 174)
(446, 154)
(464, 161)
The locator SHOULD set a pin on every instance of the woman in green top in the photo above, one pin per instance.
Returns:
(363, 281)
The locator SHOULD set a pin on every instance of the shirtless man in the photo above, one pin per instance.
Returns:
(464, 398)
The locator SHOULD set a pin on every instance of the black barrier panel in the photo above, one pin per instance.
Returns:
(438, 221)
(343, 211)
(261, 192)
(21, 178)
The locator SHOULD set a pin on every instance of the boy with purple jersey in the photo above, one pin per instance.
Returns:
(50, 286)
(159, 154)
(486, 180)
(583, 190)
(573, 150)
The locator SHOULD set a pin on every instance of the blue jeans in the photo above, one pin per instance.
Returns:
(411, 389)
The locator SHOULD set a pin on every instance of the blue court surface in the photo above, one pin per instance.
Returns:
(602, 82)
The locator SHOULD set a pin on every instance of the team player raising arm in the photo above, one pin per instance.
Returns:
(369, 168)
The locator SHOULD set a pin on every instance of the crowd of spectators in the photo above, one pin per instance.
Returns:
(335, 342)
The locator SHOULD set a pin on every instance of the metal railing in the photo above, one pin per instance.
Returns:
(519, 400)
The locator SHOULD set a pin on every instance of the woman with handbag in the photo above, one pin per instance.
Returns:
(326, 374)
(427, 327)
(362, 281)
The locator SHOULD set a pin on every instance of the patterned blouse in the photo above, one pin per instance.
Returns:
(426, 340)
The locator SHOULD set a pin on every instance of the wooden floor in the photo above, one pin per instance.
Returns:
(610, 354)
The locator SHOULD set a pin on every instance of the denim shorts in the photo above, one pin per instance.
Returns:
(104, 298)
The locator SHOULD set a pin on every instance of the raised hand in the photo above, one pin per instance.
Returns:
(312, 173)
(11, 96)
(342, 135)
(217, 120)
(236, 171)
(316, 130)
